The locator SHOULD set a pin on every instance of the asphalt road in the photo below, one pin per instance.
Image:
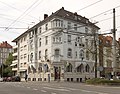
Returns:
(55, 88)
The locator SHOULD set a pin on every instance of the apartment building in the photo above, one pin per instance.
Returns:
(61, 47)
(106, 55)
(5, 49)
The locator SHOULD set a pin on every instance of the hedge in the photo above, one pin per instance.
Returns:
(98, 81)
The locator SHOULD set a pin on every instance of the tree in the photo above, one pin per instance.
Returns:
(7, 71)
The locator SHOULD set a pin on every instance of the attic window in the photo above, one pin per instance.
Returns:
(67, 14)
(79, 18)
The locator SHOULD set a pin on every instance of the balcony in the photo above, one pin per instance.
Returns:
(15, 61)
(15, 47)
(15, 54)
(14, 69)
(56, 58)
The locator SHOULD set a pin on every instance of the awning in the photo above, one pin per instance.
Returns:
(13, 64)
(77, 64)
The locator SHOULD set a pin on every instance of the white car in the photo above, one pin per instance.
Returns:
(1, 79)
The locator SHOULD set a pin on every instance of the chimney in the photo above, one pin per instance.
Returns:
(45, 16)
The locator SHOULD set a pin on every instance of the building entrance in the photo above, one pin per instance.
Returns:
(57, 73)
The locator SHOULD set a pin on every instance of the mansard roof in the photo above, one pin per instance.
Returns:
(64, 14)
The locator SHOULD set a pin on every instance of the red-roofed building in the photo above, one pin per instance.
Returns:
(106, 55)
(5, 49)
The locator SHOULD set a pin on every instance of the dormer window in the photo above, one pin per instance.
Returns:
(69, 25)
(56, 23)
(75, 27)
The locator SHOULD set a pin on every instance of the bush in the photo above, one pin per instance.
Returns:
(98, 81)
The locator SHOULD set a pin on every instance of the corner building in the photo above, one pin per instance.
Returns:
(61, 47)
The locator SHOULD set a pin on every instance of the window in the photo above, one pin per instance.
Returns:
(75, 27)
(39, 54)
(109, 63)
(75, 43)
(46, 40)
(46, 54)
(87, 68)
(61, 23)
(86, 42)
(21, 57)
(69, 38)
(57, 39)
(81, 55)
(40, 30)
(35, 56)
(40, 67)
(31, 57)
(86, 29)
(28, 58)
(69, 25)
(25, 38)
(40, 42)
(80, 68)
(25, 55)
(87, 55)
(69, 67)
(53, 39)
(69, 53)
(21, 40)
(46, 27)
(57, 52)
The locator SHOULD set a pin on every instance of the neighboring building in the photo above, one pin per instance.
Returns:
(61, 46)
(5, 49)
(106, 55)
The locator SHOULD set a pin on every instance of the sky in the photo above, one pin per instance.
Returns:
(17, 15)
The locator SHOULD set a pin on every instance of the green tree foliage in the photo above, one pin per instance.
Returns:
(7, 68)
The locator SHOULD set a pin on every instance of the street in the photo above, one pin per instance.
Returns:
(55, 88)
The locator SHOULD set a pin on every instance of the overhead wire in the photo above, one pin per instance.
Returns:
(89, 5)
(16, 9)
(23, 13)
(103, 12)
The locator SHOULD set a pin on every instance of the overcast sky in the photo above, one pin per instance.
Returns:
(26, 13)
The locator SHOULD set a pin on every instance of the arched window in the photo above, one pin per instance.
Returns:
(80, 68)
(81, 54)
(87, 68)
(69, 53)
(87, 55)
(57, 52)
(69, 67)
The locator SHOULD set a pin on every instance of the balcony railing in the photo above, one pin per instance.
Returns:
(15, 54)
(56, 58)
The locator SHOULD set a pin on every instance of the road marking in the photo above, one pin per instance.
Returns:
(35, 89)
(43, 91)
(69, 88)
(86, 91)
(53, 93)
(56, 89)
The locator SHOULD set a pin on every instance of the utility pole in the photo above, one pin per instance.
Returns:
(114, 44)
(95, 52)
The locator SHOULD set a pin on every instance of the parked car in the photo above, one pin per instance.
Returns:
(16, 79)
(9, 79)
(5, 79)
(1, 79)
